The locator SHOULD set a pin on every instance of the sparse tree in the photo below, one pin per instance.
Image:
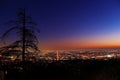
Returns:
(24, 27)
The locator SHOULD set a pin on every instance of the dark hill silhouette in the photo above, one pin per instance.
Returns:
(69, 69)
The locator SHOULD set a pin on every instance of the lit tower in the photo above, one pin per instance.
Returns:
(57, 55)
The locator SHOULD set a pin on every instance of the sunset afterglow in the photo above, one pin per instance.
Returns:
(70, 24)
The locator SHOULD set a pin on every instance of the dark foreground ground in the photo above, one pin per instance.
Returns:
(64, 70)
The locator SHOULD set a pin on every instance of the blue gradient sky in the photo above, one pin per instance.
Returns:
(70, 23)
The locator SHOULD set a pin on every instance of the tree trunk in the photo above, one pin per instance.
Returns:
(23, 39)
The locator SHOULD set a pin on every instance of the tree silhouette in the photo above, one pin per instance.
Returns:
(24, 27)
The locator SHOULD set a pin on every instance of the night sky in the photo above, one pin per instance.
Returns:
(69, 23)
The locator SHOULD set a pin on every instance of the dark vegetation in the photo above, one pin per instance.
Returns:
(64, 70)
(27, 43)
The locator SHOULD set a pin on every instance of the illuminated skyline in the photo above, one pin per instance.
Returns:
(69, 24)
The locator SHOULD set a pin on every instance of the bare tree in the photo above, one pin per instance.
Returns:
(24, 27)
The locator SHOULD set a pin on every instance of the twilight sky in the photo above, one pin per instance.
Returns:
(69, 23)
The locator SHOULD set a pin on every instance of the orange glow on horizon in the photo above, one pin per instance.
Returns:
(77, 45)
(89, 42)
(104, 41)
